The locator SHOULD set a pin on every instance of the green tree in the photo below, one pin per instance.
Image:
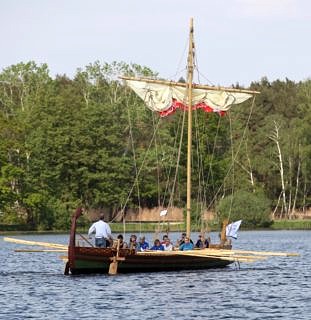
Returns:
(252, 207)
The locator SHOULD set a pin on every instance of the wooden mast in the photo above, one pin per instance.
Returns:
(189, 83)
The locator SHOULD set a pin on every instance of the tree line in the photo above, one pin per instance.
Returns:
(90, 141)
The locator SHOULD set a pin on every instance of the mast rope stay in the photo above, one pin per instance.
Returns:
(135, 166)
(124, 204)
(172, 191)
(235, 154)
(233, 167)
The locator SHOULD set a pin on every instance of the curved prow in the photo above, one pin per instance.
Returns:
(72, 241)
(78, 213)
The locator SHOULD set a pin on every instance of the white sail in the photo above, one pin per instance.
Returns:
(159, 97)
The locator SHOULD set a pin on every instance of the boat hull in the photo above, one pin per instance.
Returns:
(97, 260)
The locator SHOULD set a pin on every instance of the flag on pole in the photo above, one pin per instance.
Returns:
(163, 213)
(232, 229)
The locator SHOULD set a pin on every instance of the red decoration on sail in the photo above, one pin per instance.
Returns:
(174, 106)
(179, 105)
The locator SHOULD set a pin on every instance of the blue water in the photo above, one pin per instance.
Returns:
(32, 286)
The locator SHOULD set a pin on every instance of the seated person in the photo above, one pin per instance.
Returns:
(142, 244)
(123, 244)
(157, 245)
(182, 240)
(167, 245)
(164, 239)
(201, 243)
(187, 245)
(133, 242)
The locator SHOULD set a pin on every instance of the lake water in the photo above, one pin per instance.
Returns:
(32, 285)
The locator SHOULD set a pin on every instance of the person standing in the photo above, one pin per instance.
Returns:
(102, 232)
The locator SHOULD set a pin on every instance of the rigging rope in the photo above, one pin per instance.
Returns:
(135, 165)
(170, 203)
(158, 168)
(233, 171)
(137, 175)
(180, 123)
(201, 199)
(236, 154)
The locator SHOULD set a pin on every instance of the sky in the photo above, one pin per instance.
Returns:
(237, 41)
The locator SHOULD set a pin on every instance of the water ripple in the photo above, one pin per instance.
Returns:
(33, 286)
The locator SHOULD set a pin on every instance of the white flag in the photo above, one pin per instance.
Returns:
(163, 213)
(232, 229)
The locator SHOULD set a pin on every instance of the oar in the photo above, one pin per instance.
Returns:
(261, 253)
(234, 256)
(194, 253)
(35, 243)
(197, 253)
(64, 258)
(268, 253)
(240, 258)
(42, 250)
(113, 267)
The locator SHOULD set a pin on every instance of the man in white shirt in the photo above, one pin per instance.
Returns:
(102, 232)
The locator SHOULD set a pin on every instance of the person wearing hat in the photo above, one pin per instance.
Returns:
(102, 232)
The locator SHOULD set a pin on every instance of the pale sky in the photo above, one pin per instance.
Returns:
(236, 40)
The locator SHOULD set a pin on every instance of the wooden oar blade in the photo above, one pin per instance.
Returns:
(113, 268)
(35, 243)
(228, 255)
(40, 250)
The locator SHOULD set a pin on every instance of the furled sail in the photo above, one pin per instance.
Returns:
(165, 97)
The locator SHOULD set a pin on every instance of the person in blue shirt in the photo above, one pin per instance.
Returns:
(142, 244)
(157, 245)
(187, 245)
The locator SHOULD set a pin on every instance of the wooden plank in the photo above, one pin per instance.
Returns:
(203, 254)
(40, 250)
(35, 243)
(261, 253)
(64, 258)
(268, 253)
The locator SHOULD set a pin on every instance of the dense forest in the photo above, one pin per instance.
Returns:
(91, 141)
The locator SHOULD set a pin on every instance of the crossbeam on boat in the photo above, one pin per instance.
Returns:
(194, 86)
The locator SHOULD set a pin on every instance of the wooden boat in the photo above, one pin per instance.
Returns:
(82, 259)
(163, 97)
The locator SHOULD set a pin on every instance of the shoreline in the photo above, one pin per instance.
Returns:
(173, 227)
